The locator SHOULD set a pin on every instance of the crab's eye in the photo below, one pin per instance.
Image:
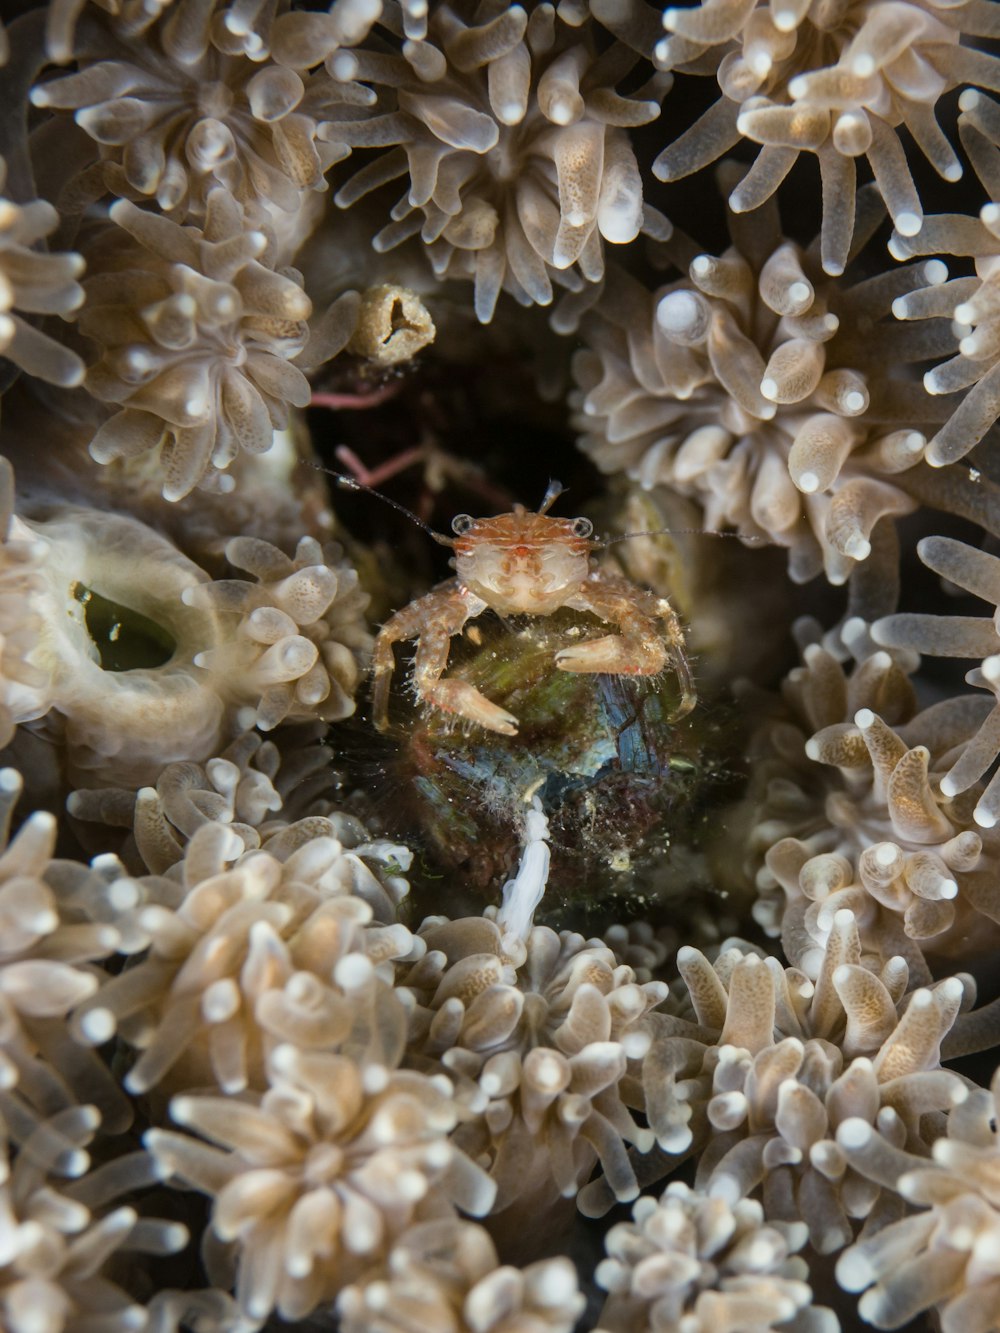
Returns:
(582, 527)
(461, 523)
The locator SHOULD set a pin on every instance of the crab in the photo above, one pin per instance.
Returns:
(525, 563)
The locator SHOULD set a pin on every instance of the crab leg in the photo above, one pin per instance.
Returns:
(432, 620)
(642, 648)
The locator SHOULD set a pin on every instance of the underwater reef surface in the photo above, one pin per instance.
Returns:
(597, 932)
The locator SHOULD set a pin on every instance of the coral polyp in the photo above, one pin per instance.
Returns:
(592, 926)
(749, 384)
(837, 81)
(196, 338)
(507, 124)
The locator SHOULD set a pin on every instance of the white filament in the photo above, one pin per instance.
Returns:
(523, 893)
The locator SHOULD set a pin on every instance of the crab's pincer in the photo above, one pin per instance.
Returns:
(457, 696)
(615, 655)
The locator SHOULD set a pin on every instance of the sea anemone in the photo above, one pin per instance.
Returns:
(769, 1064)
(134, 675)
(314, 1183)
(295, 641)
(252, 786)
(692, 1261)
(837, 81)
(47, 970)
(979, 130)
(514, 142)
(33, 282)
(944, 1258)
(447, 1275)
(130, 18)
(234, 788)
(545, 1031)
(24, 688)
(250, 949)
(257, 797)
(76, 610)
(977, 572)
(845, 811)
(59, 1239)
(774, 396)
(194, 105)
(196, 335)
(971, 301)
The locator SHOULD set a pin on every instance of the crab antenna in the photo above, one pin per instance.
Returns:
(552, 494)
(347, 483)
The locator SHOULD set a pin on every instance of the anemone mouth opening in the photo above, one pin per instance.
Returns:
(126, 640)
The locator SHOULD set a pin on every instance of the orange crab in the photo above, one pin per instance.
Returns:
(525, 563)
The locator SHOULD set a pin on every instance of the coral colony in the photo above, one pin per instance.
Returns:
(601, 934)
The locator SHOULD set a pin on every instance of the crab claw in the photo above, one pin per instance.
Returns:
(614, 655)
(456, 696)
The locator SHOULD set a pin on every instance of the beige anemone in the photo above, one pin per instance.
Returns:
(845, 810)
(838, 81)
(209, 1310)
(136, 660)
(775, 397)
(696, 1263)
(77, 614)
(978, 573)
(195, 334)
(35, 282)
(446, 1276)
(49, 945)
(512, 138)
(972, 300)
(247, 950)
(252, 785)
(233, 27)
(545, 1035)
(294, 640)
(60, 1238)
(237, 790)
(132, 18)
(312, 1183)
(944, 1258)
(756, 1081)
(234, 788)
(179, 102)
(24, 687)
